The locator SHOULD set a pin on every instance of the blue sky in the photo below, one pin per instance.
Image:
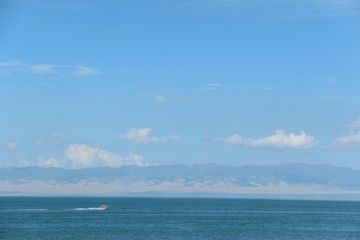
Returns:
(112, 83)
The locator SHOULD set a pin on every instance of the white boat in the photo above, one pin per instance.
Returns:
(103, 207)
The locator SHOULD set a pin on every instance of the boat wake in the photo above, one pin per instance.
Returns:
(23, 210)
(87, 209)
(35, 209)
(100, 208)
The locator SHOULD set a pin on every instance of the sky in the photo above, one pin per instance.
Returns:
(236, 82)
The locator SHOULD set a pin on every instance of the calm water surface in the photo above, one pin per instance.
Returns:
(168, 218)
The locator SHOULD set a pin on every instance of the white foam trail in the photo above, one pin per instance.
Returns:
(33, 209)
(88, 209)
(24, 209)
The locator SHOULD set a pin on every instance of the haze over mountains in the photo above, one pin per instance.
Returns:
(181, 179)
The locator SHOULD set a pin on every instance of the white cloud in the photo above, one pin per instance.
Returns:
(142, 136)
(52, 162)
(9, 68)
(48, 162)
(113, 160)
(210, 86)
(21, 66)
(169, 98)
(161, 99)
(82, 155)
(355, 124)
(42, 68)
(11, 64)
(233, 140)
(279, 140)
(11, 145)
(217, 86)
(83, 70)
(51, 140)
(351, 139)
(173, 138)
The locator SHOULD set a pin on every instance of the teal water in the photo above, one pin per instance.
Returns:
(170, 218)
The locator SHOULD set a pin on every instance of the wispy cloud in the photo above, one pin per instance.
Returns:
(218, 86)
(210, 86)
(355, 124)
(279, 140)
(351, 139)
(42, 68)
(143, 136)
(12, 145)
(161, 99)
(164, 98)
(11, 64)
(52, 140)
(339, 8)
(82, 155)
(12, 68)
(158, 98)
(15, 66)
(7, 68)
(331, 80)
(168, 97)
(84, 70)
(48, 162)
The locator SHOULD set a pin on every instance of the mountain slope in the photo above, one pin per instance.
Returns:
(285, 178)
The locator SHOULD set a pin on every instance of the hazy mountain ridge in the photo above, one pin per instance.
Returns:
(251, 175)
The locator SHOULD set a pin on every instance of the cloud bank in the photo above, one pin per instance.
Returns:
(279, 140)
(81, 155)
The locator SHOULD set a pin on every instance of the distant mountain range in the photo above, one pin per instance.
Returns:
(181, 179)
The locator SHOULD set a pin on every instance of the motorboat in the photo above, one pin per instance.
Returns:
(103, 207)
